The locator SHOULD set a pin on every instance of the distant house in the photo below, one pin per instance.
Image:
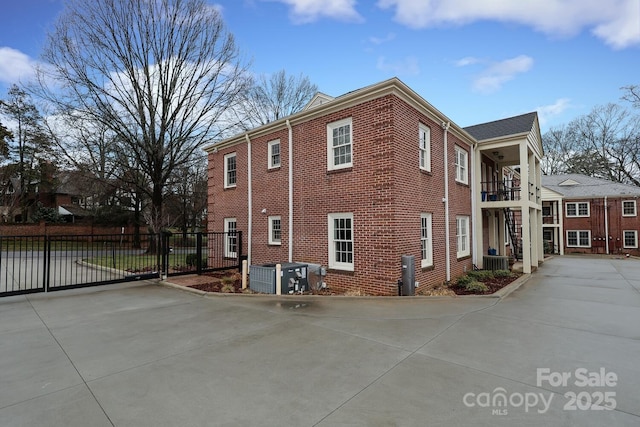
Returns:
(582, 214)
(356, 181)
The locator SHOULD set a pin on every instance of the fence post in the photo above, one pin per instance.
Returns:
(199, 253)
(47, 263)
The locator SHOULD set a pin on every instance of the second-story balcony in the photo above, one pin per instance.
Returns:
(498, 191)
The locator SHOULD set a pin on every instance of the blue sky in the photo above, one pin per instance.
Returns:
(474, 60)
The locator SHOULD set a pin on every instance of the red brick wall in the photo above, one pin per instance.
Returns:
(385, 190)
(617, 224)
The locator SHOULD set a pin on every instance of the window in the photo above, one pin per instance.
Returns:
(546, 211)
(273, 149)
(462, 234)
(579, 239)
(339, 138)
(426, 245)
(630, 239)
(461, 166)
(275, 230)
(577, 209)
(341, 241)
(424, 136)
(230, 238)
(230, 170)
(628, 208)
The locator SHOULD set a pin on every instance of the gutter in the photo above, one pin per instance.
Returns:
(290, 221)
(606, 225)
(249, 200)
(445, 199)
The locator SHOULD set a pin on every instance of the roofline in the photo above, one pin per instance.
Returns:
(393, 86)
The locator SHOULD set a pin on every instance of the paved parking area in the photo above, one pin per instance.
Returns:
(147, 355)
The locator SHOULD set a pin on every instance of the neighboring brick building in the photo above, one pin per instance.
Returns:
(353, 183)
(582, 214)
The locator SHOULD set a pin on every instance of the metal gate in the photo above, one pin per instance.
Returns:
(31, 264)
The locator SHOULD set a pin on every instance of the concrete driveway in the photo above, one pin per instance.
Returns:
(558, 351)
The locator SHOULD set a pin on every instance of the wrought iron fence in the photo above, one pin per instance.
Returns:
(45, 263)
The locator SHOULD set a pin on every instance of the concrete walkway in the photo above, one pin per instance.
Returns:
(148, 355)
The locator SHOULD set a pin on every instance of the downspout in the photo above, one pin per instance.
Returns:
(290, 221)
(249, 200)
(445, 199)
(474, 193)
(606, 225)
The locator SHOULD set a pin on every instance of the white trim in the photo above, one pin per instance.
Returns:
(462, 170)
(228, 239)
(270, 163)
(635, 239)
(424, 147)
(330, 148)
(428, 240)
(226, 170)
(577, 205)
(578, 232)
(333, 263)
(271, 240)
(463, 240)
(635, 208)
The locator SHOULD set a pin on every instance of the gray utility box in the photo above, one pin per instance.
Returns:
(262, 278)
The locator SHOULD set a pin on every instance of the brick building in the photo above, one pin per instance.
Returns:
(354, 182)
(582, 214)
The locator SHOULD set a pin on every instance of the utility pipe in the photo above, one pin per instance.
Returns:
(445, 199)
(606, 225)
(249, 200)
(290, 190)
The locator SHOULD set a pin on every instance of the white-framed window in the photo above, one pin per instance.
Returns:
(462, 163)
(230, 170)
(629, 208)
(462, 235)
(424, 138)
(630, 239)
(339, 144)
(341, 241)
(577, 209)
(273, 151)
(275, 230)
(578, 238)
(230, 238)
(426, 240)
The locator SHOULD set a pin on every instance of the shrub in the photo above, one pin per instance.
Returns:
(227, 280)
(464, 281)
(228, 288)
(191, 260)
(475, 286)
(481, 275)
(502, 273)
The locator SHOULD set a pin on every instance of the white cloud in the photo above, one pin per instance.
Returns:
(468, 60)
(15, 66)
(548, 112)
(305, 11)
(616, 22)
(497, 74)
(381, 40)
(408, 66)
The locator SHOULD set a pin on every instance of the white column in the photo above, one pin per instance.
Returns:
(524, 206)
(478, 219)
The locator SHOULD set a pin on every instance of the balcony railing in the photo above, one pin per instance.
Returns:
(496, 191)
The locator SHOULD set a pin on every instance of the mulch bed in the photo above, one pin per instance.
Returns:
(216, 284)
(494, 285)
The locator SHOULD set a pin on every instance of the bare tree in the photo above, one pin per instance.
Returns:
(559, 147)
(608, 138)
(5, 136)
(158, 75)
(632, 95)
(273, 97)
